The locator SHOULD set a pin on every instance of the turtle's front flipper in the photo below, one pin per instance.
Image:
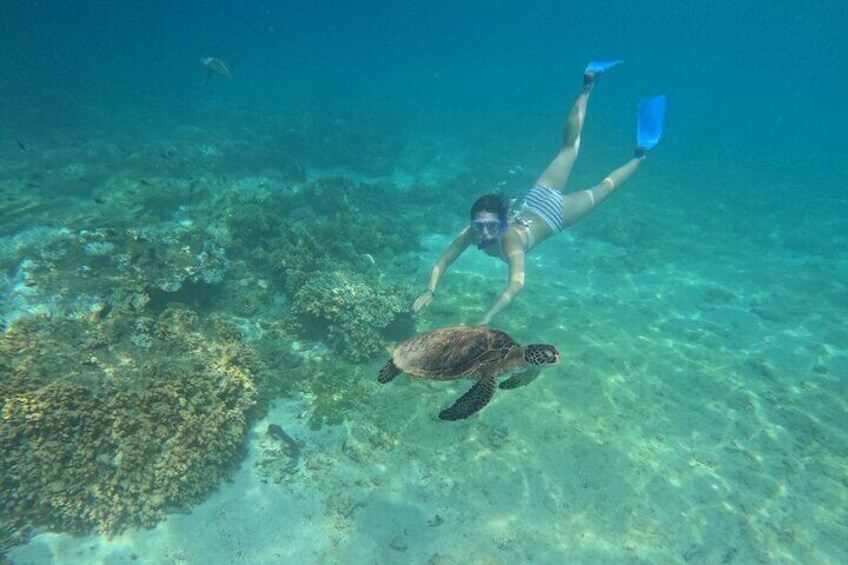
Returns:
(477, 396)
(388, 372)
(520, 379)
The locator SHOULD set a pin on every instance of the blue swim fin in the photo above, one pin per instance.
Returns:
(651, 120)
(600, 67)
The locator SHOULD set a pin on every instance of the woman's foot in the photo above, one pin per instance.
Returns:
(596, 68)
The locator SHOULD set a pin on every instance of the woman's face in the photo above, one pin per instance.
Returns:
(487, 227)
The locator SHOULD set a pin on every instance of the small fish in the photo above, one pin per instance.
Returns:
(103, 311)
(21, 145)
(288, 444)
(215, 66)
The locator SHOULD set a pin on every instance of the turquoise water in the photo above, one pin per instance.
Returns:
(187, 259)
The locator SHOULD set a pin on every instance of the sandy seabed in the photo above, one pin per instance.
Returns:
(698, 416)
(686, 429)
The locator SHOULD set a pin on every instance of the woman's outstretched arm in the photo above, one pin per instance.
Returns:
(515, 258)
(459, 245)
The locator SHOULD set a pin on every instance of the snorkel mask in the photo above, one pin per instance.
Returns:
(490, 230)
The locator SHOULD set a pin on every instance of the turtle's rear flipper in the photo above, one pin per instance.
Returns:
(477, 396)
(520, 379)
(388, 372)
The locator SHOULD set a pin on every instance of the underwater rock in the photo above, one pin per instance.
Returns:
(107, 423)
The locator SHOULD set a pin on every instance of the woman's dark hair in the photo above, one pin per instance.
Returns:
(494, 202)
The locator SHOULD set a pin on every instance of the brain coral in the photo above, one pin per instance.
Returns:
(98, 432)
(352, 313)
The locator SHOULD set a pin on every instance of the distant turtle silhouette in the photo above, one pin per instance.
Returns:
(473, 352)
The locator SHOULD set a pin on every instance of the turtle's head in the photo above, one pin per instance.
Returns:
(541, 354)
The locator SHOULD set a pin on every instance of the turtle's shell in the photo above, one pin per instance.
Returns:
(449, 353)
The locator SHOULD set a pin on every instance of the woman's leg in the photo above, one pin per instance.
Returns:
(557, 173)
(577, 204)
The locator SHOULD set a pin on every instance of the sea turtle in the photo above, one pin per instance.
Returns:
(474, 352)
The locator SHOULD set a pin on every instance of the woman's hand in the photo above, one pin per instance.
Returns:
(424, 299)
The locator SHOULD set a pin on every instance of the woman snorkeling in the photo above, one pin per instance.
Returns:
(544, 211)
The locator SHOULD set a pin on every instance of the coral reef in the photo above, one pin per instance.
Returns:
(317, 243)
(295, 254)
(106, 423)
(354, 315)
(73, 274)
(332, 385)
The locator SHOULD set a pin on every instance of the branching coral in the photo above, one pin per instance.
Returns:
(99, 433)
(295, 254)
